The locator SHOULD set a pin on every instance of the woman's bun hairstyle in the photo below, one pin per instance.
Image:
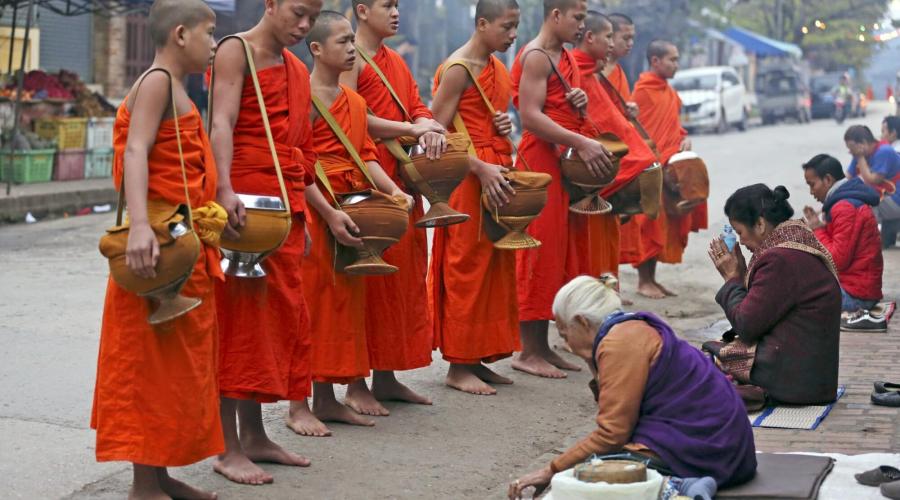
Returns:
(749, 203)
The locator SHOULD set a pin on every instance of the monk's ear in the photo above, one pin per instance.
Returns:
(482, 24)
(180, 31)
(362, 12)
(315, 48)
(271, 5)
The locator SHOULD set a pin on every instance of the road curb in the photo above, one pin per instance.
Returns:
(47, 204)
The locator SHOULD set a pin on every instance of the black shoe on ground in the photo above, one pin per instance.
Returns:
(863, 321)
(891, 399)
(882, 387)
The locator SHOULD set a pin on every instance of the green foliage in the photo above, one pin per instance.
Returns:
(827, 30)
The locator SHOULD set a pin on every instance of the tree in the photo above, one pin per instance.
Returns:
(834, 34)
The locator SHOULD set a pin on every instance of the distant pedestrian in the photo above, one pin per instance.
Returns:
(879, 166)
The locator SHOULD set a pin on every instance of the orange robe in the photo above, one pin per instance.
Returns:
(263, 322)
(472, 285)
(542, 271)
(606, 111)
(660, 109)
(156, 401)
(632, 249)
(338, 300)
(397, 323)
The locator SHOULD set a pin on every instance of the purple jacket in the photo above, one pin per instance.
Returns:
(691, 415)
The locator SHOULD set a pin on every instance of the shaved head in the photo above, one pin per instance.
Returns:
(490, 10)
(357, 3)
(596, 22)
(166, 15)
(562, 5)
(659, 49)
(619, 21)
(324, 26)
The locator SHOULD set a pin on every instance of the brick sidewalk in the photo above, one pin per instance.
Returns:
(855, 425)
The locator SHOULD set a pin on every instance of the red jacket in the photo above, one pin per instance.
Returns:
(851, 235)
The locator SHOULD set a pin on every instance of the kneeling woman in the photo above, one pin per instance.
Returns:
(784, 308)
(659, 397)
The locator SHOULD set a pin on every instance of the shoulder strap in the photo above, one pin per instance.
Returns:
(371, 62)
(457, 119)
(187, 196)
(565, 83)
(248, 55)
(624, 105)
(342, 136)
(323, 178)
(562, 79)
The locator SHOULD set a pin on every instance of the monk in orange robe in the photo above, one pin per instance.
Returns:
(340, 354)
(263, 322)
(397, 322)
(156, 399)
(660, 107)
(551, 113)
(472, 285)
(606, 111)
(631, 245)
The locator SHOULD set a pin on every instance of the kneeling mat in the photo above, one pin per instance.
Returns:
(780, 476)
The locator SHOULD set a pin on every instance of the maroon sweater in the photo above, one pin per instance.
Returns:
(792, 309)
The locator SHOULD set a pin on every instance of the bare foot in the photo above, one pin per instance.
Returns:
(362, 401)
(558, 361)
(302, 421)
(238, 468)
(627, 303)
(669, 293)
(265, 450)
(390, 389)
(490, 376)
(177, 489)
(136, 494)
(536, 365)
(461, 377)
(651, 291)
(332, 411)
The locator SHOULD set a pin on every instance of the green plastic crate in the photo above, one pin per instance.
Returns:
(27, 166)
(98, 163)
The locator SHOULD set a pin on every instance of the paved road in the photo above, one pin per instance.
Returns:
(463, 447)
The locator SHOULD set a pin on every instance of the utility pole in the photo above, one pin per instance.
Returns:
(779, 20)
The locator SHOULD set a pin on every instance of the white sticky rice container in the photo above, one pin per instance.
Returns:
(564, 486)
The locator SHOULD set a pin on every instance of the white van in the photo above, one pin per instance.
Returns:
(711, 97)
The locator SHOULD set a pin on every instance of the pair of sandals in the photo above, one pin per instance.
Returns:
(886, 394)
(886, 478)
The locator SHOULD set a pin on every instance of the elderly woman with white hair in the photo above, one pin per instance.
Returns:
(661, 401)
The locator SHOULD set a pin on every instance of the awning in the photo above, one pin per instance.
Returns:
(761, 45)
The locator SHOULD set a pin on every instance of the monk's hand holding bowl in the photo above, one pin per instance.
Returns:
(685, 145)
(595, 155)
(577, 98)
(343, 228)
(540, 479)
(142, 250)
(503, 123)
(410, 201)
(493, 183)
(731, 265)
(812, 218)
(432, 138)
(234, 207)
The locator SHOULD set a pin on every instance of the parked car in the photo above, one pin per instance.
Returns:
(782, 93)
(823, 94)
(712, 97)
